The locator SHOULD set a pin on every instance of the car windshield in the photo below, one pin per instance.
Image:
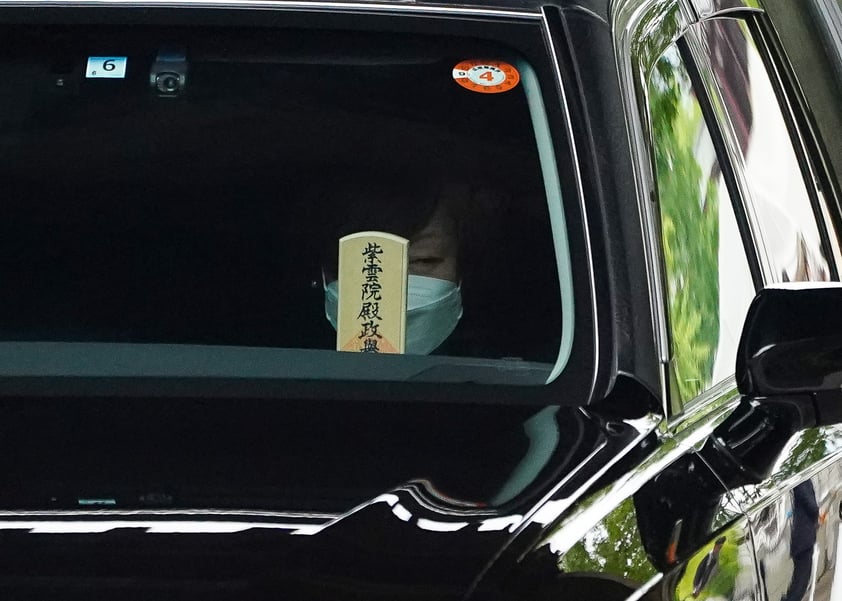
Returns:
(174, 200)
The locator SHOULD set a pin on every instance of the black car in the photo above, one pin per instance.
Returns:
(403, 300)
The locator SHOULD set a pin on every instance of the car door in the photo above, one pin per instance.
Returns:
(794, 509)
(709, 270)
(731, 213)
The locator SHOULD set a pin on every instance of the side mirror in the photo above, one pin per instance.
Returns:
(792, 345)
(789, 370)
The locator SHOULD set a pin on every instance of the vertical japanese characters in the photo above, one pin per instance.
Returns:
(369, 315)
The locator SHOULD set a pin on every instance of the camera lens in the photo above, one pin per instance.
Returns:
(168, 83)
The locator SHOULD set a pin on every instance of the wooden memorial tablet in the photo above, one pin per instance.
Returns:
(372, 293)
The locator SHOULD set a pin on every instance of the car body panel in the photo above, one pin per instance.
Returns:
(131, 533)
(645, 502)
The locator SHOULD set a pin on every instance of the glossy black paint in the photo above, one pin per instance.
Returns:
(372, 481)
(137, 459)
(792, 342)
(317, 500)
(742, 450)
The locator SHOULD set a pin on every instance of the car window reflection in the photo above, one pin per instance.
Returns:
(709, 284)
(781, 198)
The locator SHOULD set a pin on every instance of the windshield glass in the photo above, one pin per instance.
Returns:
(174, 201)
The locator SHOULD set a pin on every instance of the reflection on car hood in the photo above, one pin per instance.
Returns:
(392, 546)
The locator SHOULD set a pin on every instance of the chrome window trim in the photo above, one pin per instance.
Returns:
(632, 24)
(712, 8)
(577, 174)
(643, 29)
(271, 5)
(722, 396)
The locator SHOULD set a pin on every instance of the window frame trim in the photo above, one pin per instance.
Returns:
(285, 5)
(712, 8)
(635, 48)
(564, 102)
(700, 70)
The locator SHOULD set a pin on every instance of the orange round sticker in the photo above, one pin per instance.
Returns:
(486, 77)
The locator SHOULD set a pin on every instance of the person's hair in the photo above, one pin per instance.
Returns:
(399, 202)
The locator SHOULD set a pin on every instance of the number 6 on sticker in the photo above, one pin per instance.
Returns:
(106, 67)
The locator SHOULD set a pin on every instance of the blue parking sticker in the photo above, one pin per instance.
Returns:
(106, 67)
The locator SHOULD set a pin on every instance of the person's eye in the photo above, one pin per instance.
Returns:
(426, 261)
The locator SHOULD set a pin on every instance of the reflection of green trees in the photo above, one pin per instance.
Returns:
(809, 447)
(723, 578)
(613, 547)
(689, 220)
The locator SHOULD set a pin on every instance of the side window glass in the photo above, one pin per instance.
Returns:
(781, 199)
(708, 281)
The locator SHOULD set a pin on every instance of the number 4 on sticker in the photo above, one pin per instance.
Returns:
(106, 67)
(486, 76)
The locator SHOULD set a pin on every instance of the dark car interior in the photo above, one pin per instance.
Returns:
(136, 214)
(197, 213)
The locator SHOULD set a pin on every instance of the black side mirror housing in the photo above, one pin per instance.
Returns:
(789, 370)
(791, 345)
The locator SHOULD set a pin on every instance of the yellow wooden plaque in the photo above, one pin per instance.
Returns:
(372, 293)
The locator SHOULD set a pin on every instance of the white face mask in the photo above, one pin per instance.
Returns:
(433, 308)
